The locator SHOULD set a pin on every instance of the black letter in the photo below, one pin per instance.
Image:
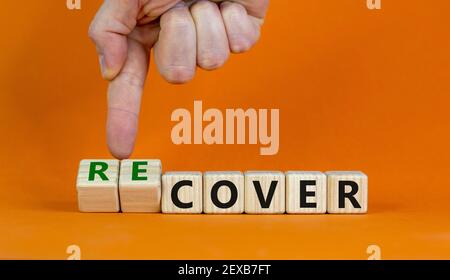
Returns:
(265, 203)
(350, 195)
(304, 194)
(215, 190)
(174, 194)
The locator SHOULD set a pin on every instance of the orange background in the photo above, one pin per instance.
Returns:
(357, 89)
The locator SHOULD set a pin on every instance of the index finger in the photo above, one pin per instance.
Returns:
(124, 101)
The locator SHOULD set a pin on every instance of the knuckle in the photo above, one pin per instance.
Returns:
(233, 9)
(202, 5)
(174, 22)
(131, 79)
(178, 18)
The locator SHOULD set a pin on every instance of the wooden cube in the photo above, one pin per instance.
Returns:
(140, 186)
(98, 186)
(306, 192)
(347, 192)
(182, 192)
(223, 192)
(264, 192)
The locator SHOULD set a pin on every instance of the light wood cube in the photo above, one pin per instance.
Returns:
(223, 192)
(347, 192)
(140, 186)
(182, 192)
(98, 186)
(306, 192)
(265, 192)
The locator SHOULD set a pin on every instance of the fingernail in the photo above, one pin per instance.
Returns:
(107, 73)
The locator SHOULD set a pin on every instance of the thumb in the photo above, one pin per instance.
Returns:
(113, 22)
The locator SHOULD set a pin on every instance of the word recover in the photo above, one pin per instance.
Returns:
(139, 186)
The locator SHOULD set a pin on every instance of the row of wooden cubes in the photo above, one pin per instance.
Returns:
(139, 186)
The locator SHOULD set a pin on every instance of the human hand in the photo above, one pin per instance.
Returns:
(184, 35)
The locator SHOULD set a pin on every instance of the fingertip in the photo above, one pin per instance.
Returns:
(109, 74)
(120, 155)
(240, 44)
(112, 52)
(112, 62)
(121, 133)
(212, 61)
(178, 74)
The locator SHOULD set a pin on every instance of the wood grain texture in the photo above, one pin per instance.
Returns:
(186, 194)
(224, 193)
(315, 189)
(99, 194)
(253, 204)
(361, 197)
(141, 194)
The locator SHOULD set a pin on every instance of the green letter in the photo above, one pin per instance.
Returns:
(135, 172)
(93, 169)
